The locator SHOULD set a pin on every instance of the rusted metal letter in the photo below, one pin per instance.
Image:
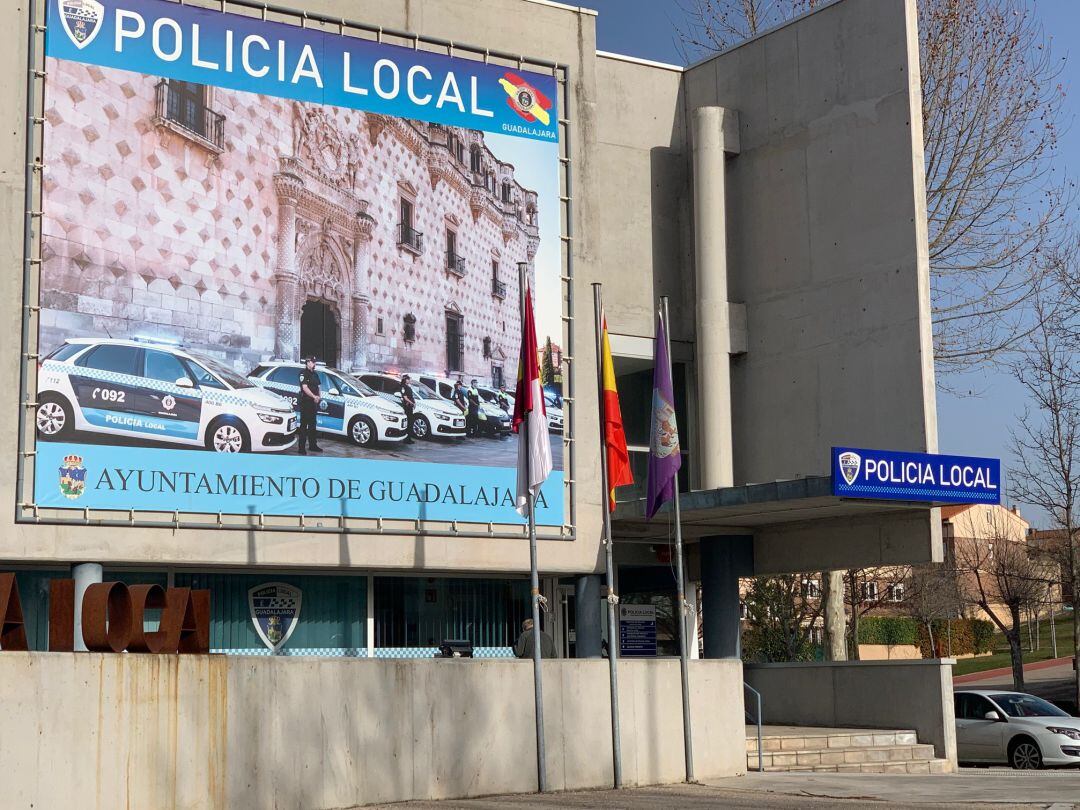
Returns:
(61, 615)
(12, 628)
(106, 617)
(144, 598)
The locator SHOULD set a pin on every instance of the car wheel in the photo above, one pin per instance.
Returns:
(53, 417)
(362, 431)
(227, 436)
(1024, 755)
(420, 427)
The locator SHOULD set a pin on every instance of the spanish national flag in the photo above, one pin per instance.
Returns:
(618, 459)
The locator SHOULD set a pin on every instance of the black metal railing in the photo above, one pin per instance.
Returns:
(410, 238)
(498, 288)
(455, 264)
(190, 113)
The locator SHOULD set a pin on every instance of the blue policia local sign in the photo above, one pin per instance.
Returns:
(891, 475)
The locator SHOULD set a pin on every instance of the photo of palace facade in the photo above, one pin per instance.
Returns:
(252, 227)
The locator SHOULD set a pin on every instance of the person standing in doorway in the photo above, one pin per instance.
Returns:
(310, 397)
(408, 402)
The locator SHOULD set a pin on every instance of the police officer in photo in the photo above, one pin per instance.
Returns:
(408, 402)
(309, 407)
(461, 400)
(474, 415)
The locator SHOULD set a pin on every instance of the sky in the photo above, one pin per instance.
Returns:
(976, 419)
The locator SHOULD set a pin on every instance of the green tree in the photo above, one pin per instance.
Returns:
(547, 366)
(780, 618)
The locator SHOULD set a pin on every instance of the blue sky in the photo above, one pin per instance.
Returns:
(976, 424)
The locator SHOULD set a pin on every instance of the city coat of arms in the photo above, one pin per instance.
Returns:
(275, 610)
(72, 477)
(82, 20)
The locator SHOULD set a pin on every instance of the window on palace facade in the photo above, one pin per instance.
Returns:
(408, 328)
(379, 329)
(507, 192)
(186, 106)
(476, 161)
(455, 342)
(454, 262)
(408, 236)
(487, 348)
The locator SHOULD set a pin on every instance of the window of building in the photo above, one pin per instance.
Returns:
(408, 236)
(476, 162)
(868, 591)
(487, 348)
(498, 287)
(185, 106)
(497, 380)
(454, 263)
(455, 342)
(811, 589)
(379, 328)
(896, 592)
(408, 328)
(507, 192)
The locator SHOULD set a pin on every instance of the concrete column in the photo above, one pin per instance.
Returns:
(85, 575)
(715, 135)
(287, 314)
(724, 559)
(356, 356)
(588, 624)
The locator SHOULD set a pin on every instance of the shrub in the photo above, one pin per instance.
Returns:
(967, 636)
(982, 631)
(887, 630)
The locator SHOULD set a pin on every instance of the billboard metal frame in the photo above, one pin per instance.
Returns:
(28, 512)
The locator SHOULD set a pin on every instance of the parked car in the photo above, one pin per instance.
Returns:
(348, 407)
(433, 416)
(996, 726)
(495, 421)
(153, 390)
(553, 406)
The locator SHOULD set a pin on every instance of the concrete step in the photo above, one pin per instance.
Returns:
(850, 755)
(924, 766)
(793, 738)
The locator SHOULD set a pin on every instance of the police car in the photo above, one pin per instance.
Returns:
(348, 406)
(432, 417)
(494, 421)
(153, 390)
(555, 418)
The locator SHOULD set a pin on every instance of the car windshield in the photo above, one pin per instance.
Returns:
(223, 372)
(360, 388)
(421, 391)
(1019, 705)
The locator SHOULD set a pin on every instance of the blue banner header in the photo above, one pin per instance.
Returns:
(203, 46)
(891, 475)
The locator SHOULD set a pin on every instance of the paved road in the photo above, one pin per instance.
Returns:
(792, 791)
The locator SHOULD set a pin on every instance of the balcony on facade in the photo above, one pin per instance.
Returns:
(182, 107)
(410, 238)
(498, 289)
(455, 264)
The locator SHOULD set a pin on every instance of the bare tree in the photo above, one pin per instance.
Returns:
(1046, 441)
(991, 101)
(999, 573)
(869, 589)
(781, 615)
(832, 598)
(931, 594)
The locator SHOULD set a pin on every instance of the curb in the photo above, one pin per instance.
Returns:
(986, 674)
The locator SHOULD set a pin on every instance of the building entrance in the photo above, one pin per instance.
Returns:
(319, 332)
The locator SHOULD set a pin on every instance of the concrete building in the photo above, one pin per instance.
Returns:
(773, 192)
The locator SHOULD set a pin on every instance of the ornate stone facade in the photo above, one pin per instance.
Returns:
(149, 232)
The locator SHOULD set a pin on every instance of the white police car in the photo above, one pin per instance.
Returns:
(555, 417)
(432, 417)
(152, 390)
(348, 407)
(494, 421)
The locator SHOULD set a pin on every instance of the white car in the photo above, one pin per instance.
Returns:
(996, 726)
(494, 422)
(432, 417)
(348, 407)
(556, 420)
(152, 390)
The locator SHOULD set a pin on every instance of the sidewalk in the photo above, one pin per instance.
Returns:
(992, 674)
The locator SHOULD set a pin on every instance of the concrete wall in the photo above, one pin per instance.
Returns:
(107, 731)
(899, 695)
(827, 238)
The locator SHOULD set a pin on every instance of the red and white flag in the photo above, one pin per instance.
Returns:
(534, 447)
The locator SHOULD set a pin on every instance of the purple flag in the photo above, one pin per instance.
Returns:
(664, 456)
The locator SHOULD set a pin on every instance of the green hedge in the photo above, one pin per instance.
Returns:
(968, 635)
(888, 630)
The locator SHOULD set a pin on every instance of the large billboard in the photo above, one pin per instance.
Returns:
(225, 195)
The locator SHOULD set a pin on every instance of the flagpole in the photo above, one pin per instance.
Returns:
(534, 577)
(613, 638)
(680, 613)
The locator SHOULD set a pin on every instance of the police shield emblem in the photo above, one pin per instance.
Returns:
(849, 466)
(72, 477)
(82, 20)
(275, 610)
